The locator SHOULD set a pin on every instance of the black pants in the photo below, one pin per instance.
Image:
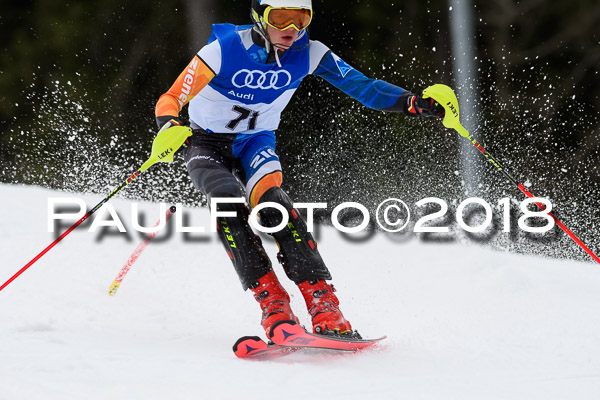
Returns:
(216, 172)
(212, 166)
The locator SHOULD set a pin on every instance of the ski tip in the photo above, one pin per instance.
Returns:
(247, 345)
(279, 323)
(243, 339)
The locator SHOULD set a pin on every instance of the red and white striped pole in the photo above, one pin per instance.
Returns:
(136, 254)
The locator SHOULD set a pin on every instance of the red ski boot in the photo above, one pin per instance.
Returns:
(323, 307)
(274, 301)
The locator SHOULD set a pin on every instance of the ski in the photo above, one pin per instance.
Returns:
(288, 336)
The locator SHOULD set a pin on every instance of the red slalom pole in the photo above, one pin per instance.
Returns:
(136, 253)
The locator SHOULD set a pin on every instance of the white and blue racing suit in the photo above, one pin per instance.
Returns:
(236, 94)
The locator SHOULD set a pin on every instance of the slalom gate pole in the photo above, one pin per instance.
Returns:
(447, 98)
(137, 252)
(165, 144)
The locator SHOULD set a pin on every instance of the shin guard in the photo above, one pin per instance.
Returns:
(244, 248)
(298, 252)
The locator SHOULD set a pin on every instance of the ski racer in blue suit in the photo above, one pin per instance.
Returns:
(237, 86)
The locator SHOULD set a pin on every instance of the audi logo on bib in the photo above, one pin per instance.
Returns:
(261, 80)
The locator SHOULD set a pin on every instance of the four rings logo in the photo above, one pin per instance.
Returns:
(261, 80)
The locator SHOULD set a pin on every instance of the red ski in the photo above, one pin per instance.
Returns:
(288, 336)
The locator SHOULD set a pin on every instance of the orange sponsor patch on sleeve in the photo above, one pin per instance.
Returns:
(189, 83)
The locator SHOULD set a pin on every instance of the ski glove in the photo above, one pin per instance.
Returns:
(173, 121)
(414, 105)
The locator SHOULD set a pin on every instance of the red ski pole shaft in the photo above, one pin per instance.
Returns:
(136, 253)
(446, 97)
(168, 140)
(527, 193)
(71, 229)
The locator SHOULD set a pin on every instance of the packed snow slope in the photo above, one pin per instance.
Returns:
(462, 322)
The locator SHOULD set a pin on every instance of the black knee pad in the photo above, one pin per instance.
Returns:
(243, 247)
(298, 250)
(216, 182)
(271, 217)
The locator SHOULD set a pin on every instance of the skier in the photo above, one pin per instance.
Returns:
(237, 86)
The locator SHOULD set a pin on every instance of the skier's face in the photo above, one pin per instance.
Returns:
(282, 39)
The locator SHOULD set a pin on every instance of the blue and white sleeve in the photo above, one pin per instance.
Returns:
(373, 93)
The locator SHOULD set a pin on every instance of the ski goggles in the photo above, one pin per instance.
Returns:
(284, 18)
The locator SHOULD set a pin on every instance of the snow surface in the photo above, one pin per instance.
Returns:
(462, 322)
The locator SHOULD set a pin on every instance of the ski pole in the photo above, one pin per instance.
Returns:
(447, 98)
(136, 253)
(165, 144)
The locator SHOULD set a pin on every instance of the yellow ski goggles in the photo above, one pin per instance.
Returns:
(284, 18)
